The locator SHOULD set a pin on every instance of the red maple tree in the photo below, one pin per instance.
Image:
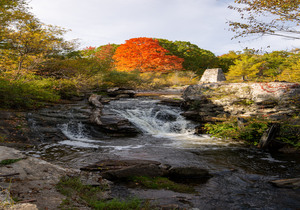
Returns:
(145, 54)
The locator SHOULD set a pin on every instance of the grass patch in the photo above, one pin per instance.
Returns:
(9, 161)
(73, 189)
(244, 102)
(133, 203)
(161, 183)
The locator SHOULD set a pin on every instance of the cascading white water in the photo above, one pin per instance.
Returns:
(156, 121)
(75, 132)
(162, 121)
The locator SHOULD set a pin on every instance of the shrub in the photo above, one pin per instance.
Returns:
(120, 79)
(290, 134)
(26, 94)
(251, 132)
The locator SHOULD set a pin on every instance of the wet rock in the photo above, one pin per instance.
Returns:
(287, 183)
(94, 100)
(115, 92)
(172, 102)
(192, 115)
(200, 129)
(188, 174)
(95, 116)
(123, 169)
(267, 140)
(117, 126)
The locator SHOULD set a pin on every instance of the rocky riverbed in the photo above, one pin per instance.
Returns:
(138, 136)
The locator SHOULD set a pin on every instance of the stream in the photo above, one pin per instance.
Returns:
(241, 174)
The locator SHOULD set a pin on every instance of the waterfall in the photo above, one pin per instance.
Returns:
(77, 135)
(158, 120)
(162, 121)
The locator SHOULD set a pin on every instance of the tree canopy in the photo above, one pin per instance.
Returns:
(267, 17)
(25, 41)
(277, 65)
(195, 58)
(145, 54)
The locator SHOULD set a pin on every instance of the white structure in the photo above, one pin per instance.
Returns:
(212, 75)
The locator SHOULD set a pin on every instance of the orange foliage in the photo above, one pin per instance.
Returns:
(145, 54)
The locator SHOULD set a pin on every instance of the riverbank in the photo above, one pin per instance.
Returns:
(63, 135)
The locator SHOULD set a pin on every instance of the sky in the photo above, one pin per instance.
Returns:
(201, 22)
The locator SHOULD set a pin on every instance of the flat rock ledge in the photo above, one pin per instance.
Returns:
(33, 181)
(118, 170)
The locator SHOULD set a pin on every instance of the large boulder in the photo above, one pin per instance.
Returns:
(121, 92)
(114, 125)
(123, 169)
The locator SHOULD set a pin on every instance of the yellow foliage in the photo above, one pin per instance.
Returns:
(292, 74)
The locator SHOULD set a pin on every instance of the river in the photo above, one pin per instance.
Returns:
(241, 174)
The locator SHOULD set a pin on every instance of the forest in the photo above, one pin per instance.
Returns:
(39, 65)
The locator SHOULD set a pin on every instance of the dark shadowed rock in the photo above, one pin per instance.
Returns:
(268, 138)
(172, 102)
(117, 126)
(188, 174)
(123, 169)
(115, 92)
(192, 115)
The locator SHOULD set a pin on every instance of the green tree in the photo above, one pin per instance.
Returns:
(195, 58)
(276, 62)
(227, 60)
(102, 54)
(292, 72)
(29, 41)
(10, 11)
(267, 17)
(247, 67)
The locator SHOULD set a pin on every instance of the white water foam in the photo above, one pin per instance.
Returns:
(77, 136)
(163, 121)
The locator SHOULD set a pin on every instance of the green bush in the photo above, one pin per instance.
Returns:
(251, 132)
(26, 94)
(290, 134)
(120, 79)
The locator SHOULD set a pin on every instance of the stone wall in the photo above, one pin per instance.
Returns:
(275, 100)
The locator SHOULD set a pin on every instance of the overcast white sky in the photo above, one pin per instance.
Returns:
(202, 22)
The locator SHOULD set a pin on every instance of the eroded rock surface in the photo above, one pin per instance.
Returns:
(32, 179)
(274, 100)
(124, 169)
